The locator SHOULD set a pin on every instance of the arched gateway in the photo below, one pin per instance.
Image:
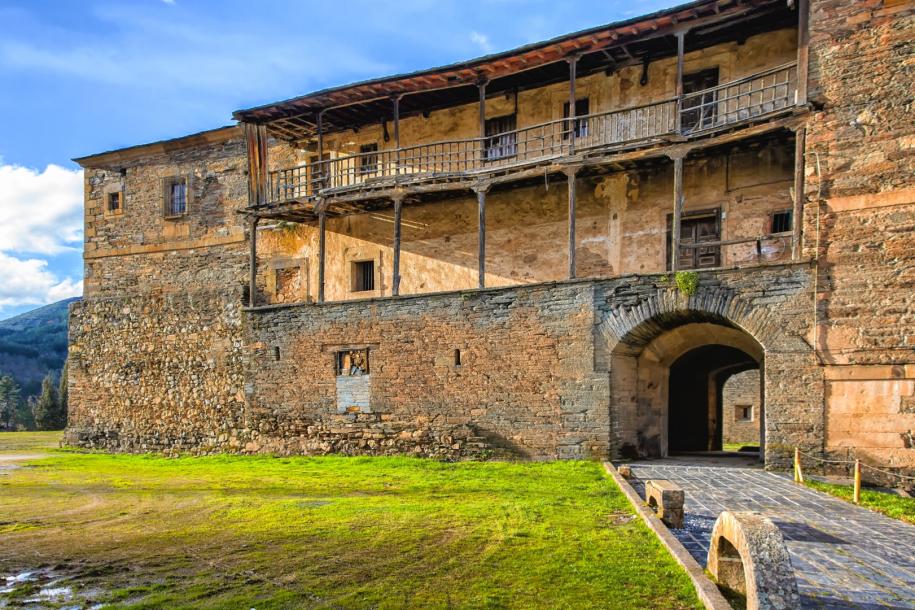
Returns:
(669, 356)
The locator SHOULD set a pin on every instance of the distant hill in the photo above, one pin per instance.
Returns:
(33, 343)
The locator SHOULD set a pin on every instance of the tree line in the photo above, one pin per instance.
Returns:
(48, 411)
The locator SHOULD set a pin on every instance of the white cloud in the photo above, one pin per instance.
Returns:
(28, 282)
(168, 1)
(482, 41)
(40, 212)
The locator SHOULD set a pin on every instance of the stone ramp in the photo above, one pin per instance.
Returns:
(843, 556)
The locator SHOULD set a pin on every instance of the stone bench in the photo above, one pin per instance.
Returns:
(748, 555)
(666, 498)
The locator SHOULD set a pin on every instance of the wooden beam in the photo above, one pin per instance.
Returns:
(322, 252)
(252, 263)
(398, 210)
(256, 140)
(681, 45)
(481, 238)
(571, 173)
(797, 213)
(803, 50)
(678, 213)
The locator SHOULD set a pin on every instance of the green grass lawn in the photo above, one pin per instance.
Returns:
(737, 446)
(260, 532)
(890, 505)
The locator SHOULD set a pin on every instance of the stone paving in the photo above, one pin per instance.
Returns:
(844, 556)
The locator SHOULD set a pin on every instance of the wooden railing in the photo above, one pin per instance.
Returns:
(699, 112)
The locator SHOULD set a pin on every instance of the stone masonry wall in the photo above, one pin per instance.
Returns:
(740, 389)
(860, 163)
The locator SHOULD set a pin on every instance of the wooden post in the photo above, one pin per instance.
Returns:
(681, 48)
(256, 140)
(857, 481)
(798, 474)
(678, 213)
(481, 85)
(481, 235)
(803, 50)
(320, 182)
(570, 177)
(797, 213)
(252, 264)
(398, 209)
(396, 101)
(322, 244)
(573, 70)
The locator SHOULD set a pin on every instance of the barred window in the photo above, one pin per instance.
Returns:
(781, 222)
(176, 197)
(363, 276)
(114, 205)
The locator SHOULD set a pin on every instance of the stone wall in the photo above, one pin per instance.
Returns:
(740, 390)
(861, 159)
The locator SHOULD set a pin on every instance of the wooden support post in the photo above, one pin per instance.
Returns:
(681, 48)
(256, 140)
(398, 210)
(798, 474)
(857, 494)
(481, 85)
(797, 213)
(252, 263)
(573, 70)
(803, 50)
(570, 175)
(481, 235)
(678, 214)
(322, 247)
(395, 99)
(320, 182)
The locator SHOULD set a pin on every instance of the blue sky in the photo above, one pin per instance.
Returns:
(80, 77)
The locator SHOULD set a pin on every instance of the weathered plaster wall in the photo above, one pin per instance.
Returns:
(862, 139)
(740, 389)
(621, 227)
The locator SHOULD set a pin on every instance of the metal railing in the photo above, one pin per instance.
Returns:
(701, 111)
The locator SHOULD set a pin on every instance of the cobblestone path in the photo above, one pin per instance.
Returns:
(844, 556)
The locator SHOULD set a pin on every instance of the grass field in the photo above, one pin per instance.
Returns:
(261, 532)
(890, 505)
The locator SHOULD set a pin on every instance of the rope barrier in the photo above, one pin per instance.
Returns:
(858, 464)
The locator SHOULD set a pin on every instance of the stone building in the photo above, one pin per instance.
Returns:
(560, 251)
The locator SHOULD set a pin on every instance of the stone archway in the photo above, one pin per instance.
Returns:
(637, 340)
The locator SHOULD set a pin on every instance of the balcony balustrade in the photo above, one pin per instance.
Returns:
(691, 115)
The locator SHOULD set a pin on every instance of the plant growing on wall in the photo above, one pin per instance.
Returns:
(687, 282)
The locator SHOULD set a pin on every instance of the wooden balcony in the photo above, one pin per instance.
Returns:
(461, 163)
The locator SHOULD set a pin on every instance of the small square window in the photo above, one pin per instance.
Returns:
(363, 273)
(352, 362)
(114, 203)
(176, 197)
(743, 413)
(781, 222)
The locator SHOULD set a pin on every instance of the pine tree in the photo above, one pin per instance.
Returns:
(46, 410)
(9, 402)
(63, 395)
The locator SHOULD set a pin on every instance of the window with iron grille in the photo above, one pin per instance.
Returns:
(363, 273)
(501, 138)
(368, 158)
(582, 109)
(781, 222)
(176, 196)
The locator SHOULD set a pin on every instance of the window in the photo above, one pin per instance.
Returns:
(743, 413)
(781, 222)
(699, 111)
(582, 108)
(114, 203)
(501, 139)
(363, 276)
(353, 362)
(457, 357)
(697, 227)
(176, 197)
(368, 158)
